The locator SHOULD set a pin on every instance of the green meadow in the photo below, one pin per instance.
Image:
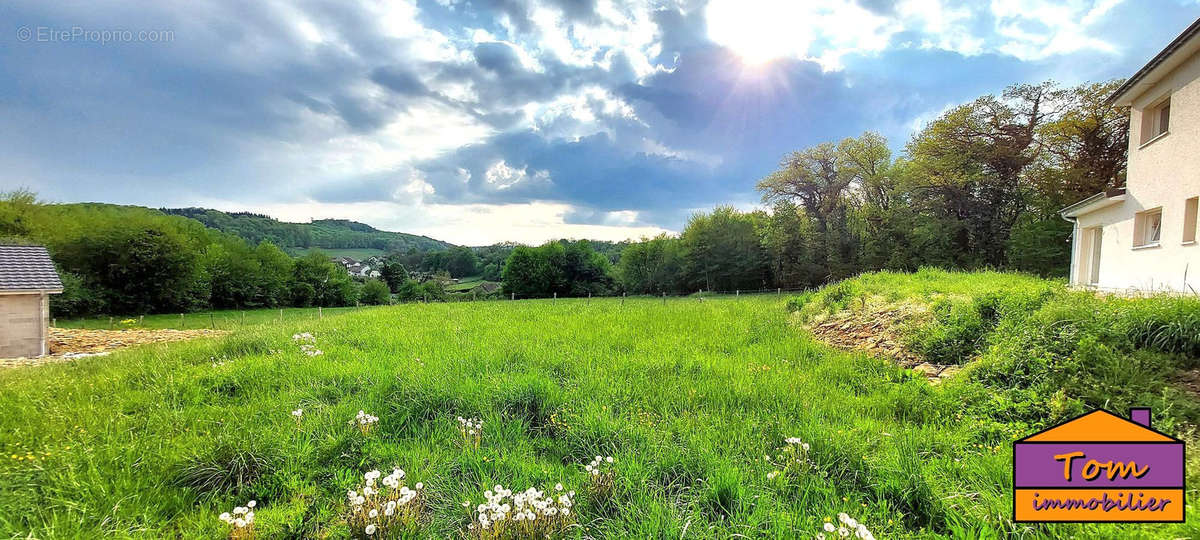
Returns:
(693, 398)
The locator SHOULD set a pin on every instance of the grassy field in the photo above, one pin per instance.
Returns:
(220, 319)
(690, 398)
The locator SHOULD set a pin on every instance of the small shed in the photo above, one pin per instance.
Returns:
(27, 279)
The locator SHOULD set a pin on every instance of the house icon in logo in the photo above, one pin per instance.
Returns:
(1099, 467)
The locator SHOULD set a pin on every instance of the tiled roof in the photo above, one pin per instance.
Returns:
(27, 268)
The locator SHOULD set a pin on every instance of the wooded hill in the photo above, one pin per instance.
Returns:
(321, 233)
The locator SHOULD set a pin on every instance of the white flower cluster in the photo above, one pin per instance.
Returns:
(600, 475)
(297, 414)
(242, 520)
(472, 430)
(391, 505)
(528, 514)
(791, 460)
(594, 467)
(308, 344)
(218, 362)
(364, 421)
(847, 526)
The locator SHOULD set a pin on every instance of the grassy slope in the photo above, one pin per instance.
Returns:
(688, 397)
(465, 284)
(1042, 353)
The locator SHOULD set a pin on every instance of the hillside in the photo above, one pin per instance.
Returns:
(321, 233)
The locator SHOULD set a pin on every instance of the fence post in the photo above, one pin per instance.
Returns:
(513, 297)
(280, 314)
(778, 291)
(243, 318)
(110, 323)
(54, 323)
(181, 325)
(737, 293)
(664, 298)
(555, 298)
(622, 299)
(320, 314)
(589, 299)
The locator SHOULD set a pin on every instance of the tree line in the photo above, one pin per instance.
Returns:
(978, 187)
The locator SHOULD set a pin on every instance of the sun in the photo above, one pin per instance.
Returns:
(759, 31)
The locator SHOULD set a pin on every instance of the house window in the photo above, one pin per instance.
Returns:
(1156, 120)
(1190, 211)
(1147, 228)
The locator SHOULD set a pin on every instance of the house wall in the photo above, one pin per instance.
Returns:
(24, 323)
(1162, 173)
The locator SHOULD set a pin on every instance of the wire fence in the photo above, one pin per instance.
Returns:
(231, 319)
(698, 294)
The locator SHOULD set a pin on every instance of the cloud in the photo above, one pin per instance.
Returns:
(538, 118)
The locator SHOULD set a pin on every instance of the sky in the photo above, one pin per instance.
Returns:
(480, 121)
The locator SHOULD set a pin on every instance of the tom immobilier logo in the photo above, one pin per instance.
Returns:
(1099, 467)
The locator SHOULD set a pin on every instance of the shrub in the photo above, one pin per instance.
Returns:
(375, 292)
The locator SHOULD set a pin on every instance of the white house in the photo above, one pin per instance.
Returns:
(1142, 237)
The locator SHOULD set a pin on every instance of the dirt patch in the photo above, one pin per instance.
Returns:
(70, 343)
(1189, 381)
(877, 330)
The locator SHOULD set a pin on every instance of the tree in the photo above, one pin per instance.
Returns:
(462, 262)
(722, 252)
(1086, 146)
(788, 237)
(136, 268)
(969, 169)
(409, 291)
(528, 273)
(393, 271)
(557, 267)
(316, 280)
(234, 275)
(375, 292)
(652, 265)
(819, 180)
(275, 269)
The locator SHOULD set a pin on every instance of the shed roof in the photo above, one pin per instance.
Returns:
(27, 268)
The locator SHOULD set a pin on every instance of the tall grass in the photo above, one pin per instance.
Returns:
(689, 397)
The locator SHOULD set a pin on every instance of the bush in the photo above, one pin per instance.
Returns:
(76, 299)
(375, 292)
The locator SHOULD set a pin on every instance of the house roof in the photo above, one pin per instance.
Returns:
(1099, 426)
(27, 268)
(1166, 60)
(1104, 199)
